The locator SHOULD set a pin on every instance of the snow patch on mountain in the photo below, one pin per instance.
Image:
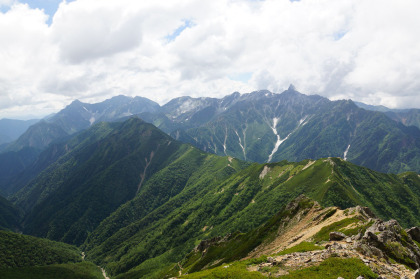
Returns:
(240, 144)
(224, 143)
(345, 153)
(279, 141)
(303, 121)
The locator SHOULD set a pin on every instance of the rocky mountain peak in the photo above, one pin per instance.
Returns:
(291, 88)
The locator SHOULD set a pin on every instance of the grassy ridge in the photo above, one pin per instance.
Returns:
(175, 228)
(71, 197)
(331, 268)
(217, 200)
(90, 196)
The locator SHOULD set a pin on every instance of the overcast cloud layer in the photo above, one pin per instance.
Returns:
(368, 51)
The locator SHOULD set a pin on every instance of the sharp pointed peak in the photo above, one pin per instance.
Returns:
(291, 87)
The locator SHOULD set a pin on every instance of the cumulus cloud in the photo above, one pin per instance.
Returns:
(92, 50)
(6, 3)
(84, 30)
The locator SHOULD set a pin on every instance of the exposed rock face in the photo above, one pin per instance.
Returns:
(386, 248)
(365, 211)
(379, 247)
(337, 236)
(388, 239)
(414, 232)
(205, 244)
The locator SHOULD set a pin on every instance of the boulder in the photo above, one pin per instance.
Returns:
(336, 236)
(272, 260)
(385, 235)
(365, 211)
(414, 232)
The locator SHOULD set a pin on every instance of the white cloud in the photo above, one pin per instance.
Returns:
(365, 50)
(85, 30)
(6, 3)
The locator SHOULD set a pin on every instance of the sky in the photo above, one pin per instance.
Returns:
(53, 52)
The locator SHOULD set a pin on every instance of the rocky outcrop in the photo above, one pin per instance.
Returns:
(379, 246)
(389, 240)
(414, 232)
(207, 243)
(365, 212)
(334, 236)
(385, 247)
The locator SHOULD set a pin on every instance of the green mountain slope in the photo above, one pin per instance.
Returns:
(260, 127)
(80, 270)
(363, 137)
(11, 129)
(79, 116)
(135, 242)
(12, 164)
(38, 136)
(138, 200)
(304, 240)
(23, 256)
(266, 127)
(73, 195)
(245, 129)
(19, 250)
(52, 153)
(408, 117)
(10, 216)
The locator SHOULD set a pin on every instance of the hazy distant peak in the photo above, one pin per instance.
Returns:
(291, 88)
(121, 98)
(76, 102)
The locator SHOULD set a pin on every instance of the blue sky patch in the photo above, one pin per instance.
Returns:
(244, 77)
(4, 9)
(337, 36)
(49, 6)
(178, 31)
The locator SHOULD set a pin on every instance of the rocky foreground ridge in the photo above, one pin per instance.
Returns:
(306, 237)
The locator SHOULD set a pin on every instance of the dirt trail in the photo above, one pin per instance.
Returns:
(103, 270)
(299, 260)
(301, 228)
(180, 269)
(104, 273)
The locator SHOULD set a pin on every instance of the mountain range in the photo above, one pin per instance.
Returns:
(408, 117)
(258, 127)
(149, 191)
(136, 201)
(11, 129)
